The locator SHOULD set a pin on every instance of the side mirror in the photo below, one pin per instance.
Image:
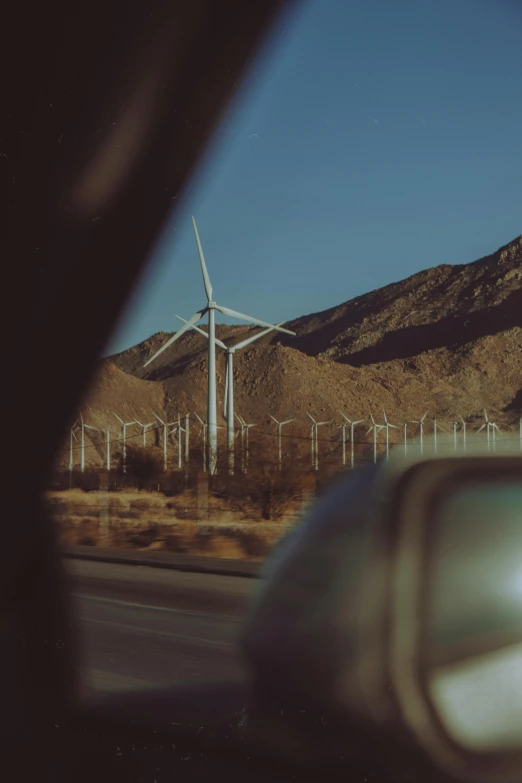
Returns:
(398, 604)
(456, 614)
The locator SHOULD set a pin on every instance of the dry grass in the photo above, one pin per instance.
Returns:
(152, 521)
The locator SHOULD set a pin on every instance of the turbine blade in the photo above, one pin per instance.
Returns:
(257, 321)
(288, 421)
(115, 414)
(255, 337)
(481, 428)
(205, 334)
(178, 334)
(311, 417)
(206, 278)
(158, 418)
(424, 416)
(360, 421)
(273, 418)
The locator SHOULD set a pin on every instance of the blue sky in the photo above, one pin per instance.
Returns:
(388, 139)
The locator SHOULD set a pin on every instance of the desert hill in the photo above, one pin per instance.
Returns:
(447, 340)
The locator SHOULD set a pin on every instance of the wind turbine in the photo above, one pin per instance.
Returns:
(375, 428)
(491, 428)
(280, 425)
(435, 428)
(108, 448)
(72, 435)
(124, 425)
(405, 437)
(84, 427)
(245, 428)
(387, 426)
(455, 424)
(210, 308)
(178, 429)
(352, 424)
(420, 422)
(204, 426)
(187, 439)
(314, 433)
(463, 433)
(228, 412)
(144, 428)
(165, 436)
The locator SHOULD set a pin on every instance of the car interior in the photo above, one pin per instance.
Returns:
(77, 215)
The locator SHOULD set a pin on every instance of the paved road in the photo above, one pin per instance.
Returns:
(142, 627)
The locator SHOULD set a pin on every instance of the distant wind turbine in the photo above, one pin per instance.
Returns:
(314, 433)
(165, 426)
(375, 428)
(491, 428)
(210, 308)
(244, 441)
(352, 424)
(280, 425)
(420, 422)
(387, 426)
(124, 425)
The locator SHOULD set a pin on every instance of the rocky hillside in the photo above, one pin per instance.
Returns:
(448, 339)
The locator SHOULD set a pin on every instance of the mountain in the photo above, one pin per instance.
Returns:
(447, 340)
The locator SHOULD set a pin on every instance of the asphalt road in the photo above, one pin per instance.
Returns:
(141, 627)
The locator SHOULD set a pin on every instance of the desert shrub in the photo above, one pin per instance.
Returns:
(264, 489)
(143, 466)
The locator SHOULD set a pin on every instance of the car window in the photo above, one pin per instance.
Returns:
(353, 239)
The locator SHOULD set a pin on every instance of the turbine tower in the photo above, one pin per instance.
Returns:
(280, 425)
(210, 308)
(228, 411)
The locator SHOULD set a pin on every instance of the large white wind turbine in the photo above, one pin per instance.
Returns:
(211, 308)
(228, 411)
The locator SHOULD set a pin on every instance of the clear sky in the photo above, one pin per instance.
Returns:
(373, 140)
